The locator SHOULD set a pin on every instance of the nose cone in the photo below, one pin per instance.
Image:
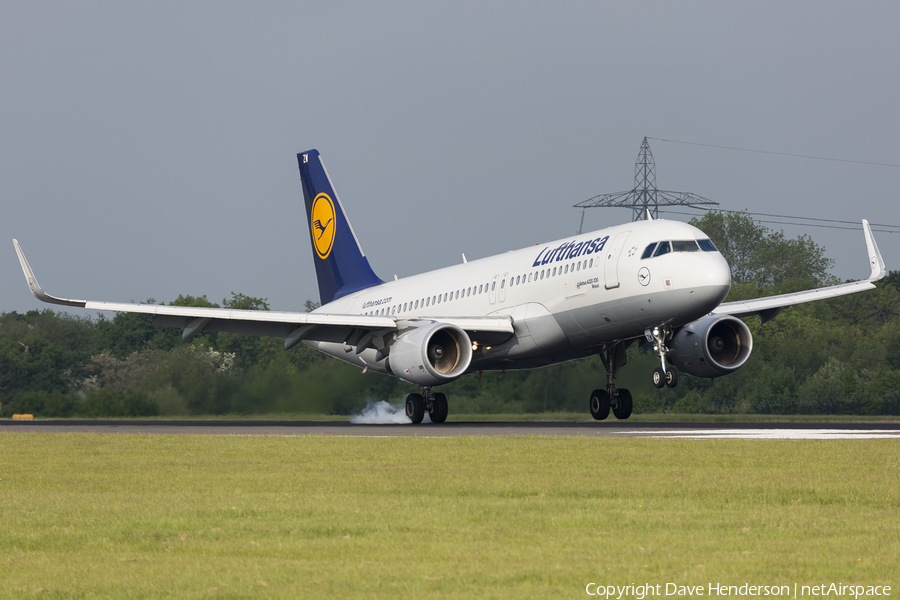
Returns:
(710, 278)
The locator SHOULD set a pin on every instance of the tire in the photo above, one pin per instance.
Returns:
(599, 404)
(671, 378)
(659, 378)
(623, 410)
(439, 408)
(415, 407)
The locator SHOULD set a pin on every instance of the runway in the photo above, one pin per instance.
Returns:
(804, 430)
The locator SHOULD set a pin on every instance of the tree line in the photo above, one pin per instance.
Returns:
(839, 356)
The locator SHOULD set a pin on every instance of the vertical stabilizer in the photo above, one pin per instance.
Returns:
(341, 265)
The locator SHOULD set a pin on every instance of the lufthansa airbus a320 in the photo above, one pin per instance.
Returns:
(597, 293)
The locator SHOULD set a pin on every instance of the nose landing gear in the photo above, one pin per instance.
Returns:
(613, 357)
(667, 377)
(661, 375)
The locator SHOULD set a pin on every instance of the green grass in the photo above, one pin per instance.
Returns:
(87, 515)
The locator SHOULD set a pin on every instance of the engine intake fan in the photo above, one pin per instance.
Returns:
(711, 347)
(432, 354)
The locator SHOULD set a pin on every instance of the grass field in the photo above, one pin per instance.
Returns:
(87, 515)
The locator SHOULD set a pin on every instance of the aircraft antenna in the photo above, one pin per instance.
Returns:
(644, 198)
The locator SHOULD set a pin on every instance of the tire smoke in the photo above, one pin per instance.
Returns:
(383, 413)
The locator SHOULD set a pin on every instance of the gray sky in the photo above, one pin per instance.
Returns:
(148, 149)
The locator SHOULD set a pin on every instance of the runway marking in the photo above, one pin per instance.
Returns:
(773, 434)
(688, 431)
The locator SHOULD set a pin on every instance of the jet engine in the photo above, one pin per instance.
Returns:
(432, 354)
(711, 347)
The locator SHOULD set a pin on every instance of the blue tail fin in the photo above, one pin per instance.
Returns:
(341, 264)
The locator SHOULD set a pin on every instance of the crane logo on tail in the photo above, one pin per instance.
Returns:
(322, 220)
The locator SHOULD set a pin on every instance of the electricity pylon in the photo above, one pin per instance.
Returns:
(644, 199)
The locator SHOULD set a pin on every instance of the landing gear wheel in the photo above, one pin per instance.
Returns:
(659, 378)
(599, 404)
(415, 407)
(438, 408)
(623, 409)
(671, 378)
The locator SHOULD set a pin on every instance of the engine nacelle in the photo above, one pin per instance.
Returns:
(431, 354)
(711, 347)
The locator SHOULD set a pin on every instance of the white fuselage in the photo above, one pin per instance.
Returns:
(567, 298)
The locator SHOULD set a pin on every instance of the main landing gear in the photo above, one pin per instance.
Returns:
(434, 404)
(661, 375)
(613, 357)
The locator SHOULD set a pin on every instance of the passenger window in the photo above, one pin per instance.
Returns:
(542, 273)
(663, 248)
(648, 251)
(591, 263)
(578, 266)
(707, 245)
(517, 280)
(685, 246)
(493, 286)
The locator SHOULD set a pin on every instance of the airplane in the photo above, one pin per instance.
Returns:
(654, 281)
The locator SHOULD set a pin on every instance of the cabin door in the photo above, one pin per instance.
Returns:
(611, 264)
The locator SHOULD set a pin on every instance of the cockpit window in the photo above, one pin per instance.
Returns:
(707, 246)
(663, 248)
(649, 251)
(685, 246)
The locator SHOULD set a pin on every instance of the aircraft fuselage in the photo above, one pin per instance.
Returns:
(567, 298)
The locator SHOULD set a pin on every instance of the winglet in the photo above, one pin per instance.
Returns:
(875, 260)
(35, 287)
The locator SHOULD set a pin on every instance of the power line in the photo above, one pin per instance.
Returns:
(798, 224)
(794, 217)
(844, 160)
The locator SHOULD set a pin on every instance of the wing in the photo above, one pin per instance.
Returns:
(768, 308)
(360, 331)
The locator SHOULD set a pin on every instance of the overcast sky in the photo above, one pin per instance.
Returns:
(149, 149)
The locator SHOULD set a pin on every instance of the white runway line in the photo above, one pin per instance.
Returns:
(774, 434)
